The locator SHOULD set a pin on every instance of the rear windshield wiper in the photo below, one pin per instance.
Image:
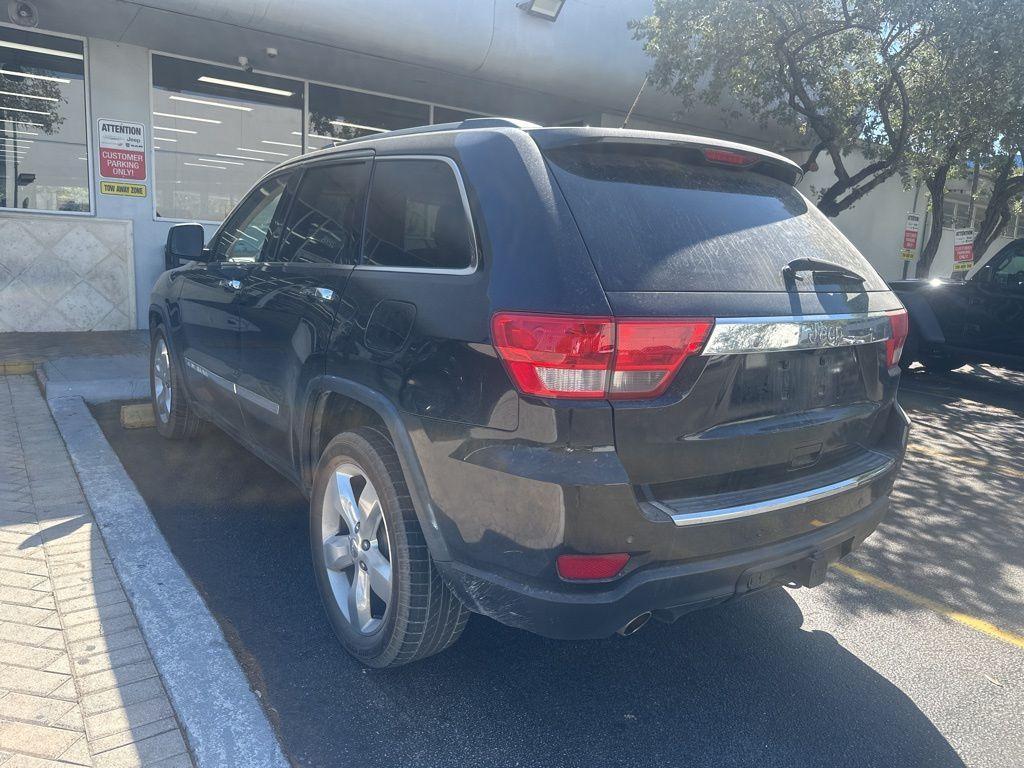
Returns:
(819, 267)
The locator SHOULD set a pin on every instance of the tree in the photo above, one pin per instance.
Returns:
(960, 83)
(831, 69)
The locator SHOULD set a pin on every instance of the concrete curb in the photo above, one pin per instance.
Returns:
(95, 379)
(221, 716)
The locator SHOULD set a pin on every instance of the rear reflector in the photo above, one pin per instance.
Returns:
(590, 567)
(900, 325)
(728, 157)
(595, 357)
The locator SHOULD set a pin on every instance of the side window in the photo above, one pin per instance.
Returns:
(325, 222)
(416, 217)
(244, 234)
(1010, 272)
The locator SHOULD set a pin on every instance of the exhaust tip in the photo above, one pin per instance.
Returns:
(635, 624)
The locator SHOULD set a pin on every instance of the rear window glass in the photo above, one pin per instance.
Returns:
(653, 222)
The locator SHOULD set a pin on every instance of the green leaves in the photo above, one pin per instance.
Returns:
(913, 86)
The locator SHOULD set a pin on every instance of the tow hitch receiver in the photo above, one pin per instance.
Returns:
(807, 571)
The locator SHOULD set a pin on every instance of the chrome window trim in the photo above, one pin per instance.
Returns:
(749, 335)
(776, 504)
(475, 256)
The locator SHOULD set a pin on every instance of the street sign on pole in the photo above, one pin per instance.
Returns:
(963, 249)
(910, 233)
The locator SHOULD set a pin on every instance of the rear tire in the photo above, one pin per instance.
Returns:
(382, 592)
(175, 418)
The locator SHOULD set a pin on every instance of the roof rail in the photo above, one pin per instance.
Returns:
(470, 123)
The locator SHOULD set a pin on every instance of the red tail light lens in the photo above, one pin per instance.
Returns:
(595, 357)
(590, 567)
(649, 352)
(554, 356)
(899, 323)
(728, 157)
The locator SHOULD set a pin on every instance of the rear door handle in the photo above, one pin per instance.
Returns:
(230, 285)
(321, 294)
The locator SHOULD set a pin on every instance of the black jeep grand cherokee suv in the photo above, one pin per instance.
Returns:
(569, 378)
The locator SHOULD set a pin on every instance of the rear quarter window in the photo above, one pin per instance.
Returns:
(655, 220)
(416, 217)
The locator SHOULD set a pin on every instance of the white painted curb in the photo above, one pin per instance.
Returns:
(216, 706)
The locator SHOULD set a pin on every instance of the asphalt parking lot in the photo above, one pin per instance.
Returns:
(911, 655)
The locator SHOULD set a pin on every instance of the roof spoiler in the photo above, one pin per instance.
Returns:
(715, 151)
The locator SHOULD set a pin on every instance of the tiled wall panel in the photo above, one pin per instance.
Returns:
(66, 274)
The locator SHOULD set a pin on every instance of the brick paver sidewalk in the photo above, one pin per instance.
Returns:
(77, 683)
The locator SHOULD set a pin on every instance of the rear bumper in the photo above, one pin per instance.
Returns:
(576, 612)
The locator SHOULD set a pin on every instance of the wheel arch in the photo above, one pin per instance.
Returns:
(360, 405)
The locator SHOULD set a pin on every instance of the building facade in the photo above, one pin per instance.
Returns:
(119, 118)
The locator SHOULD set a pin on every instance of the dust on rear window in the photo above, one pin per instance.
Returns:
(654, 222)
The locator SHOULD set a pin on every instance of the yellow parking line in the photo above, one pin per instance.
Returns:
(978, 625)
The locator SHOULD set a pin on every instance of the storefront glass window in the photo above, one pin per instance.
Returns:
(216, 131)
(43, 147)
(448, 115)
(338, 114)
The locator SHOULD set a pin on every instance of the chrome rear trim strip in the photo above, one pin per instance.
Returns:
(748, 335)
(782, 502)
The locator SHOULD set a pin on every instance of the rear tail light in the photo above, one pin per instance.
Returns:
(728, 157)
(595, 357)
(591, 567)
(899, 324)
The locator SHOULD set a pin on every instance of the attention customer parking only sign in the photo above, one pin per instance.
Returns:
(122, 156)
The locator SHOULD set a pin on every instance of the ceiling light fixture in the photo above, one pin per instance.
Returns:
(243, 157)
(214, 160)
(165, 138)
(263, 152)
(175, 130)
(545, 9)
(28, 96)
(211, 103)
(12, 73)
(37, 49)
(188, 117)
(281, 143)
(204, 165)
(343, 124)
(245, 86)
(19, 133)
(27, 111)
(321, 136)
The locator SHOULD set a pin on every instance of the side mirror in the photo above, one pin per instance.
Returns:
(184, 244)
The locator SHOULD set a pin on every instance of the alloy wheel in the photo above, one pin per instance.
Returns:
(162, 393)
(357, 551)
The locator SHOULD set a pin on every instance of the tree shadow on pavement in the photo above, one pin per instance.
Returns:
(955, 529)
(738, 685)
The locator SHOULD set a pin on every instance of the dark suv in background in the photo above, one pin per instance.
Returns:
(568, 378)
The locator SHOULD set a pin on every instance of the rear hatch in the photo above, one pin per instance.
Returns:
(795, 384)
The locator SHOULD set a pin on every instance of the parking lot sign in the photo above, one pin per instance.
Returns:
(963, 249)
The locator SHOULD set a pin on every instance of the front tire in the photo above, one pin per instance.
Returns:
(383, 594)
(175, 418)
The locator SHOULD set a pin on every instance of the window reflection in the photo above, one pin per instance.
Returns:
(339, 114)
(43, 150)
(216, 131)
